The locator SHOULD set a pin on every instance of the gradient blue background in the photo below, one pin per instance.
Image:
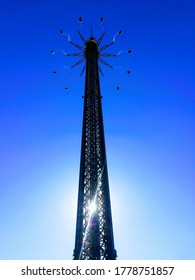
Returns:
(149, 126)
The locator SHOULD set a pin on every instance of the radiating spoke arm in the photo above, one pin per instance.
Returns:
(105, 63)
(74, 54)
(107, 55)
(106, 46)
(99, 68)
(83, 70)
(81, 36)
(78, 62)
(77, 46)
(101, 37)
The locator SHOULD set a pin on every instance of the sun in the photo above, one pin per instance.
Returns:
(92, 207)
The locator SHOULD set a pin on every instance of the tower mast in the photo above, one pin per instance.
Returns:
(94, 231)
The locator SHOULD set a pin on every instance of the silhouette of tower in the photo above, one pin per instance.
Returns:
(94, 230)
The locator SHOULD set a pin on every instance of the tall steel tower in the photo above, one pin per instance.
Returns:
(94, 230)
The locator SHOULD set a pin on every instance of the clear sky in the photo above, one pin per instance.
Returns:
(149, 126)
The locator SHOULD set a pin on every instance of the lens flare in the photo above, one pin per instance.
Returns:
(92, 207)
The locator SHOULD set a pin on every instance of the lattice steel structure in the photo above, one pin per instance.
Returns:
(94, 231)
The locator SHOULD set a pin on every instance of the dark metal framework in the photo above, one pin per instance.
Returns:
(94, 232)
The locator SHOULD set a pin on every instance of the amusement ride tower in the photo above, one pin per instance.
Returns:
(94, 230)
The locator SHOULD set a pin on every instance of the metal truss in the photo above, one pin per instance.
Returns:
(94, 230)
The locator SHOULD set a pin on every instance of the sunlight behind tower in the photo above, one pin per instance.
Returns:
(94, 230)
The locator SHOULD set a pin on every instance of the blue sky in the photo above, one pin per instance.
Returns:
(149, 126)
